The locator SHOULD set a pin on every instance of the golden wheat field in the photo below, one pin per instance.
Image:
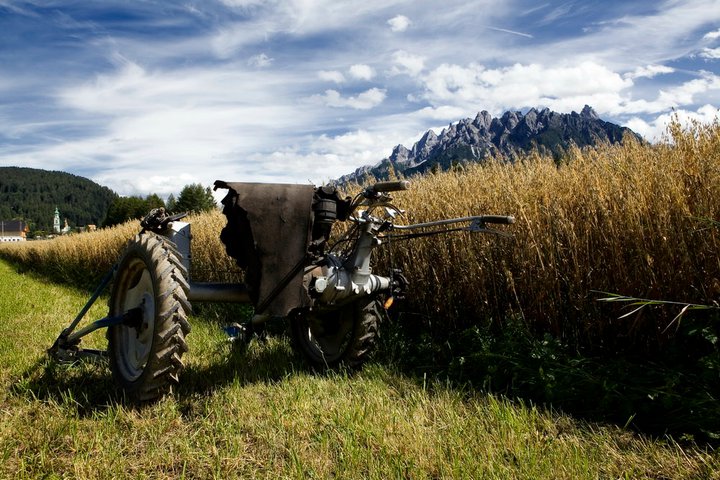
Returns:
(634, 219)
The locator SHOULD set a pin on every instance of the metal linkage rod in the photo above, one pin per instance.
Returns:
(98, 291)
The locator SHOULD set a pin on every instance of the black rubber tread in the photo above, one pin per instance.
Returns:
(170, 285)
(366, 317)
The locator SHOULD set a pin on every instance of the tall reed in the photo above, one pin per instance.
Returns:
(635, 219)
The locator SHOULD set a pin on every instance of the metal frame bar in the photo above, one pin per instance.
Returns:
(219, 292)
(438, 223)
(132, 317)
(98, 291)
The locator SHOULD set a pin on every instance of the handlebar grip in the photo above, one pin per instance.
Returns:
(389, 186)
(505, 220)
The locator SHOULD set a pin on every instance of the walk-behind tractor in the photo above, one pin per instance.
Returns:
(280, 235)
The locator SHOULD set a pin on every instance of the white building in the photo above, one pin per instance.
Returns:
(13, 231)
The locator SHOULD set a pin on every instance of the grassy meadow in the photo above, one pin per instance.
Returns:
(259, 413)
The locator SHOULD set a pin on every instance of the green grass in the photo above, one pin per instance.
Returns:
(260, 412)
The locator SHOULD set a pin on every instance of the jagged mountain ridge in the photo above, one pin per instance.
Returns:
(484, 136)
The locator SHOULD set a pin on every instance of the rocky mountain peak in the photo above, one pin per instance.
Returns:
(472, 140)
(400, 154)
(510, 119)
(588, 112)
(482, 120)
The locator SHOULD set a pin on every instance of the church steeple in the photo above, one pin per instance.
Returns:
(56, 221)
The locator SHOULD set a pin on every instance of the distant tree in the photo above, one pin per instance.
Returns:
(195, 198)
(171, 203)
(127, 208)
(123, 209)
(6, 212)
(153, 201)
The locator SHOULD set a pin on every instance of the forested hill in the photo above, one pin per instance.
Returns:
(32, 195)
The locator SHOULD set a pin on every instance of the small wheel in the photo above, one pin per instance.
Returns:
(145, 359)
(346, 336)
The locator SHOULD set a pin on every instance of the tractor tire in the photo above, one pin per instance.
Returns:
(345, 337)
(145, 359)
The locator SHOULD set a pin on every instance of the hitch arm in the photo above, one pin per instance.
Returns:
(65, 348)
(131, 318)
(98, 291)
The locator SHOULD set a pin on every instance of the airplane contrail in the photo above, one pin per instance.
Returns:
(510, 31)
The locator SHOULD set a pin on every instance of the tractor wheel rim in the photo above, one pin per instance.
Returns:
(137, 342)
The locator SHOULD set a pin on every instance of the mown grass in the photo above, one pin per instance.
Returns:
(260, 413)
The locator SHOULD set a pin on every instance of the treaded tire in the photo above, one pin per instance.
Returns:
(343, 337)
(146, 360)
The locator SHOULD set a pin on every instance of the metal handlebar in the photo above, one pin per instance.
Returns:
(502, 219)
(393, 186)
(480, 219)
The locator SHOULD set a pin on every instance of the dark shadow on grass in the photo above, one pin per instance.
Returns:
(673, 393)
(674, 396)
(89, 388)
(260, 361)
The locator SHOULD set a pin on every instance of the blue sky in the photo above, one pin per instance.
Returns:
(148, 96)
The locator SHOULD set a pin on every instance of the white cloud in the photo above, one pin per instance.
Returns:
(649, 71)
(399, 23)
(444, 113)
(659, 36)
(177, 123)
(184, 118)
(683, 95)
(656, 129)
(686, 93)
(407, 63)
(711, 53)
(715, 34)
(363, 101)
(359, 139)
(326, 157)
(362, 72)
(643, 128)
(354, 149)
(294, 17)
(260, 61)
(561, 88)
(231, 39)
(331, 76)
